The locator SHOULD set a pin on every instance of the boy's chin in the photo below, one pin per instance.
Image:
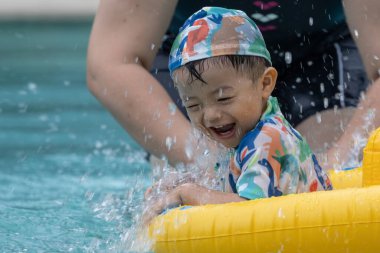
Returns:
(229, 144)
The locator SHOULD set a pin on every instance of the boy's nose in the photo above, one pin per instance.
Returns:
(211, 115)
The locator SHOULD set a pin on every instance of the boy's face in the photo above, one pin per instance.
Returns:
(228, 106)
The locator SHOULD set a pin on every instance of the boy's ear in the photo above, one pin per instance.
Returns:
(268, 79)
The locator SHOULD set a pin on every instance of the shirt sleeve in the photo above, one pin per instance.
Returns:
(260, 169)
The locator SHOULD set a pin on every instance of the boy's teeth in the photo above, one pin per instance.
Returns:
(223, 128)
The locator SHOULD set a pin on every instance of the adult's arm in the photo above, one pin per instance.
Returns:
(125, 37)
(363, 18)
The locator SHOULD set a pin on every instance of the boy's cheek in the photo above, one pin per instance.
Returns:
(194, 118)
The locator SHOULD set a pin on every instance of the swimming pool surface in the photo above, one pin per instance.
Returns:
(70, 177)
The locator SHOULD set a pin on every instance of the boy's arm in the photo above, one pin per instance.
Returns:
(125, 37)
(188, 194)
(195, 195)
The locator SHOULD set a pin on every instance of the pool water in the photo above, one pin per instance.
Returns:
(71, 179)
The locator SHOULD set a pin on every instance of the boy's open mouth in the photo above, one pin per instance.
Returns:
(225, 131)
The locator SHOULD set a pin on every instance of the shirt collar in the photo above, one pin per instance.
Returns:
(272, 108)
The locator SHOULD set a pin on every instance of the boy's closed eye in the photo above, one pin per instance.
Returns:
(192, 107)
(225, 99)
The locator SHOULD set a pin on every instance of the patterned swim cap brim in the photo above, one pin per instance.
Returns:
(215, 31)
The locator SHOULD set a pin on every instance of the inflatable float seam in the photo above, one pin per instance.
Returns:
(270, 231)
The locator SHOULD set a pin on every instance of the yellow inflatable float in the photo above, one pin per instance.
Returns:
(346, 219)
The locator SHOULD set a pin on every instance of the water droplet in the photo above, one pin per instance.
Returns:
(98, 144)
(168, 142)
(89, 195)
(280, 213)
(298, 80)
(152, 46)
(189, 151)
(137, 59)
(376, 58)
(309, 63)
(22, 92)
(325, 102)
(311, 21)
(322, 87)
(341, 126)
(318, 117)
(22, 107)
(220, 94)
(348, 76)
(169, 124)
(335, 109)
(43, 117)
(32, 87)
(156, 115)
(172, 108)
(288, 57)
(362, 95)
(356, 33)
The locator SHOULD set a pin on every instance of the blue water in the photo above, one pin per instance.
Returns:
(71, 179)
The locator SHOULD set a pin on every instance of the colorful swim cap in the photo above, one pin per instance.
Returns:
(215, 31)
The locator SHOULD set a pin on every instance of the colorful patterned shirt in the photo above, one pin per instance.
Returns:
(273, 159)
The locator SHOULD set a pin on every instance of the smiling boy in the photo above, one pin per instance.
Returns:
(222, 69)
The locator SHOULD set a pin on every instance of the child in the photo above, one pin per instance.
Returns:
(222, 69)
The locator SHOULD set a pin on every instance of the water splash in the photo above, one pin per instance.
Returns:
(126, 211)
(360, 138)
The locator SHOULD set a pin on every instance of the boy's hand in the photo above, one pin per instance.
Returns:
(168, 183)
(155, 207)
(187, 194)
